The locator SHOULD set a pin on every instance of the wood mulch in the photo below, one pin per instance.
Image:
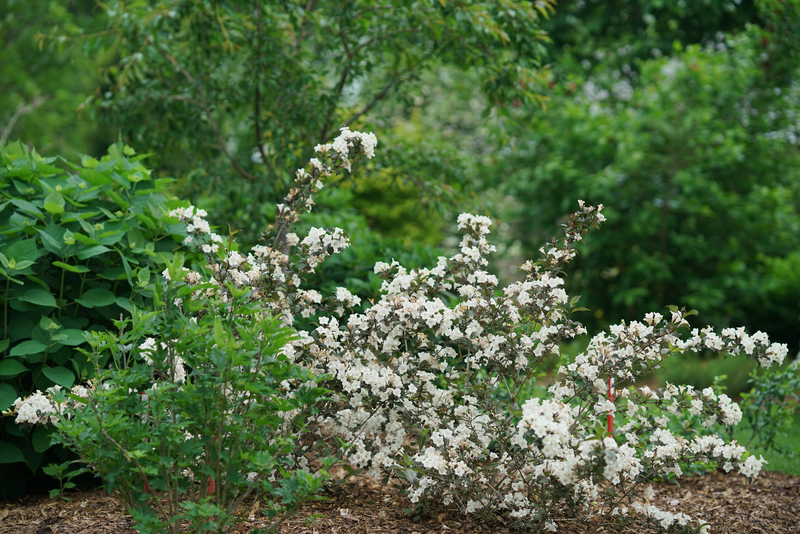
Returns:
(771, 504)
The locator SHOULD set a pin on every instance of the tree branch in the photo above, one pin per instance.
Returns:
(375, 100)
(393, 81)
(203, 104)
(323, 136)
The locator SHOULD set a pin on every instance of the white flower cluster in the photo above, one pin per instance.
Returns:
(270, 270)
(198, 230)
(41, 409)
(344, 143)
(319, 244)
(36, 409)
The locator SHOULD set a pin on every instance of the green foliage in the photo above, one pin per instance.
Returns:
(642, 28)
(625, 32)
(190, 449)
(78, 248)
(769, 408)
(62, 472)
(702, 372)
(789, 439)
(697, 160)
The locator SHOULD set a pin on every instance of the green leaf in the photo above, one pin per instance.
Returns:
(125, 304)
(39, 297)
(52, 243)
(147, 221)
(4, 344)
(28, 347)
(37, 280)
(84, 239)
(41, 438)
(126, 265)
(111, 238)
(10, 453)
(54, 203)
(47, 170)
(95, 178)
(45, 323)
(72, 337)
(60, 375)
(24, 250)
(27, 207)
(9, 367)
(118, 199)
(72, 268)
(7, 396)
(96, 297)
(89, 162)
(143, 276)
(20, 222)
(90, 252)
(135, 238)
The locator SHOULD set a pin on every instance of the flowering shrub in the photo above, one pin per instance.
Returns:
(414, 379)
(419, 374)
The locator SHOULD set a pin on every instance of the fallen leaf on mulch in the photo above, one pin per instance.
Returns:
(771, 505)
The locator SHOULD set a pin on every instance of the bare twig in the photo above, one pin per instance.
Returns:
(21, 111)
(257, 103)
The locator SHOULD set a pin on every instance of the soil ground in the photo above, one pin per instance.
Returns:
(771, 504)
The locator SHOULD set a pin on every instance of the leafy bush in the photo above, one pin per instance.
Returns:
(214, 413)
(78, 249)
(200, 427)
(769, 408)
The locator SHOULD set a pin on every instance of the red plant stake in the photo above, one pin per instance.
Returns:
(212, 487)
(611, 398)
(146, 398)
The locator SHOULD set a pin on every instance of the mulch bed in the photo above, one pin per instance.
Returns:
(769, 505)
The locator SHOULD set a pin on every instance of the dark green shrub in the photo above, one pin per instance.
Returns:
(77, 248)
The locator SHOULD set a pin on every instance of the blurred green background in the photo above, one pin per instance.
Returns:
(682, 118)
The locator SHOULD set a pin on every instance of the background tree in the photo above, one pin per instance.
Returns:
(231, 93)
(695, 152)
(42, 90)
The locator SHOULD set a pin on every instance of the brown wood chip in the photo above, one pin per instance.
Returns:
(771, 504)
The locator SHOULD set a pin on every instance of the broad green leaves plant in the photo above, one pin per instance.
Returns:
(77, 250)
